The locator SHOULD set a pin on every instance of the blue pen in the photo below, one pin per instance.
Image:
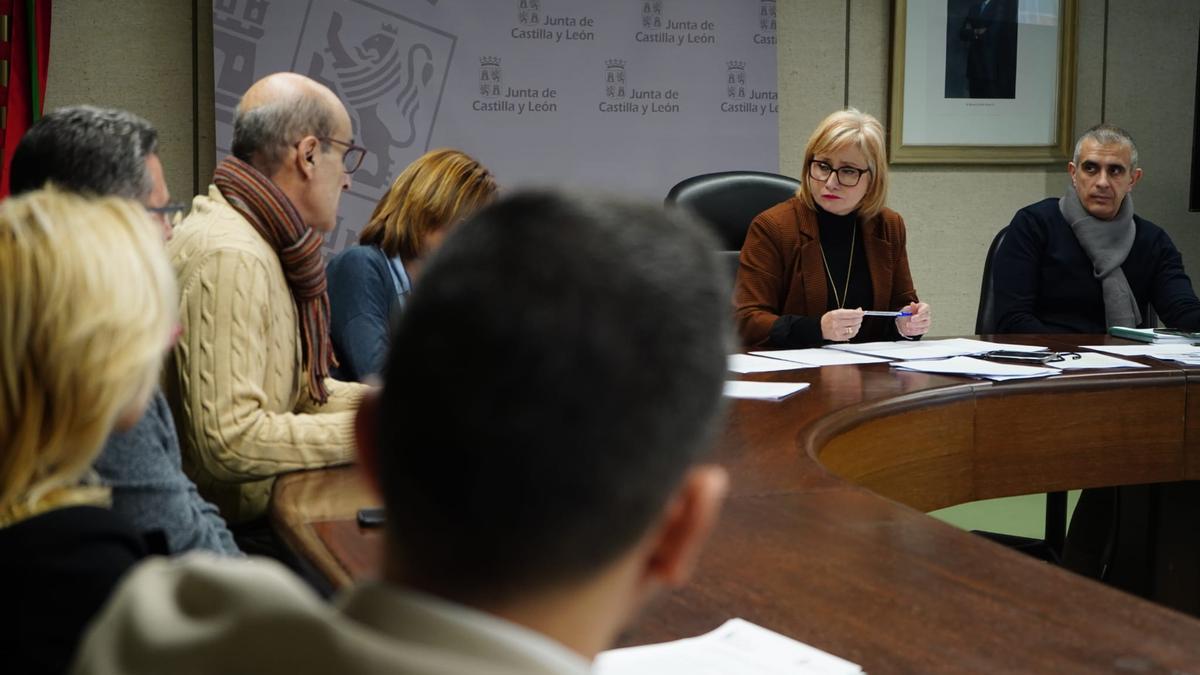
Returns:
(888, 314)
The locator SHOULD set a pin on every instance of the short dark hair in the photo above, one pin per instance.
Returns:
(549, 384)
(262, 135)
(1108, 134)
(84, 149)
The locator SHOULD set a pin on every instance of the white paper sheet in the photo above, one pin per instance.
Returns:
(965, 365)
(745, 363)
(1094, 360)
(908, 350)
(738, 647)
(762, 391)
(1144, 350)
(1185, 359)
(820, 357)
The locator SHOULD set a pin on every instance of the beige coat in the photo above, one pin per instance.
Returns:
(203, 615)
(236, 382)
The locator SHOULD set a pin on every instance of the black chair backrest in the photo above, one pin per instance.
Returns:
(729, 200)
(985, 318)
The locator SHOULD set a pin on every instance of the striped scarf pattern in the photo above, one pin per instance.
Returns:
(272, 214)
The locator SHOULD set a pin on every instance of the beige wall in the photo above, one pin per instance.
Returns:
(952, 212)
(141, 58)
(137, 55)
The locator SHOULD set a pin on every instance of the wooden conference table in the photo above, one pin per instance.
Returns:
(825, 537)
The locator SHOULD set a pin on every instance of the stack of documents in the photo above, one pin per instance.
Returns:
(738, 647)
(971, 367)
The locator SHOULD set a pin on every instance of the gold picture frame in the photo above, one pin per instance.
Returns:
(945, 142)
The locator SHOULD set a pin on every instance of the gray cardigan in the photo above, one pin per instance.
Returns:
(150, 490)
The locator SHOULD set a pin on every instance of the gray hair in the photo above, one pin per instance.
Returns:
(85, 149)
(1108, 134)
(262, 135)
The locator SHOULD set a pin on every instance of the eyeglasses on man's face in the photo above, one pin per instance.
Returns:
(847, 176)
(353, 157)
(170, 214)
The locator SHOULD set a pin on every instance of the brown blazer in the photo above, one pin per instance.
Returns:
(781, 272)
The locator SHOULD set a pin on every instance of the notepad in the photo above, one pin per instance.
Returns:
(762, 391)
(745, 363)
(738, 647)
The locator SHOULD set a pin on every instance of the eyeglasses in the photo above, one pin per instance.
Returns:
(847, 176)
(353, 158)
(171, 214)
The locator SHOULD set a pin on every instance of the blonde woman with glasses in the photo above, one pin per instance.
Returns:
(369, 283)
(830, 264)
(87, 311)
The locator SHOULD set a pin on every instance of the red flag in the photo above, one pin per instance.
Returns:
(24, 58)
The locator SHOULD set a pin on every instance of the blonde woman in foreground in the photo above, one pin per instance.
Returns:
(87, 311)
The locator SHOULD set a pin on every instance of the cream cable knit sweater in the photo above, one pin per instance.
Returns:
(236, 382)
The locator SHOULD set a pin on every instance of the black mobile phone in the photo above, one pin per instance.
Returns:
(371, 517)
(1030, 357)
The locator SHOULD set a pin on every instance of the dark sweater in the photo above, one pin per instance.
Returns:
(1044, 283)
(56, 570)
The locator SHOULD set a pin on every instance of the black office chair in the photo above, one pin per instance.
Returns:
(729, 200)
(1051, 547)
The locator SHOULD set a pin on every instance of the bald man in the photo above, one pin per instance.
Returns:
(248, 379)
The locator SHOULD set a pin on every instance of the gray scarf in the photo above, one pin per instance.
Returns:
(1107, 244)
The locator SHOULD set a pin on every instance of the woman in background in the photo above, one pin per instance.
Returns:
(87, 312)
(368, 283)
(812, 264)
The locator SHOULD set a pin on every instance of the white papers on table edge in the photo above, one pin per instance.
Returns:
(736, 647)
(747, 363)
(972, 367)
(905, 350)
(1144, 349)
(1095, 360)
(762, 391)
(820, 357)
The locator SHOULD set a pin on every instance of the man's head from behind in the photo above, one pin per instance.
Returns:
(1104, 169)
(296, 132)
(550, 389)
(96, 151)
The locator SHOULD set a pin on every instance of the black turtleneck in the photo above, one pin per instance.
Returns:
(836, 232)
(793, 332)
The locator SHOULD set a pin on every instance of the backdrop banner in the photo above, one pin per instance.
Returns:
(628, 96)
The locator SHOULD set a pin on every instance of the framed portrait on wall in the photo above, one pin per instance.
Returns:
(982, 81)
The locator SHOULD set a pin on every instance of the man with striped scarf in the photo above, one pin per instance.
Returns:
(248, 381)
